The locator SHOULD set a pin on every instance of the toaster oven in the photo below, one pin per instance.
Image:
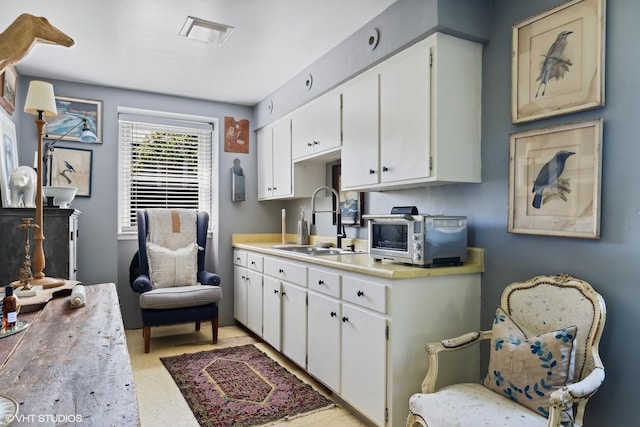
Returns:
(418, 239)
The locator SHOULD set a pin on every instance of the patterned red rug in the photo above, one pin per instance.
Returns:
(240, 386)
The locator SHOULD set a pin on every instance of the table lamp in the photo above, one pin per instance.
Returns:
(41, 103)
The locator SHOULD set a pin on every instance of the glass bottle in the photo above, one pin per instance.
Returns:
(9, 308)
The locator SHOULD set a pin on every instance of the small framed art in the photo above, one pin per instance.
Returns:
(8, 89)
(554, 180)
(72, 111)
(71, 167)
(558, 61)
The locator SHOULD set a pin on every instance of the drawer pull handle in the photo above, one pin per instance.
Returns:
(333, 314)
(275, 291)
(320, 282)
(345, 319)
(385, 169)
(360, 293)
(283, 293)
(238, 258)
(371, 171)
(309, 144)
(244, 277)
(281, 271)
(253, 263)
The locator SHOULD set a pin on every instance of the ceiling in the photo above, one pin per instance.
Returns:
(135, 44)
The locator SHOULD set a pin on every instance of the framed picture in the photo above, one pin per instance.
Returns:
(72, 111)
(236, 135)
(8, 156)
(8, 89)
(554, 181)
(558, 61)
(351, 202)
(71, 167)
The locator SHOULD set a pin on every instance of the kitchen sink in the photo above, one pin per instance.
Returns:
(314, 250)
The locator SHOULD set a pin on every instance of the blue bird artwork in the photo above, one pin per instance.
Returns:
(549, 179)
(68, 169)
(554, 65)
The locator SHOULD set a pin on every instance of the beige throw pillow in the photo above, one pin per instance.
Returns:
(169, 268)
(527, 369)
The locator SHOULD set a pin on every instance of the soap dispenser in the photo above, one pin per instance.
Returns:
(302, 238)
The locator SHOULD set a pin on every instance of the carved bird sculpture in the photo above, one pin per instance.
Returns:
(19, 37)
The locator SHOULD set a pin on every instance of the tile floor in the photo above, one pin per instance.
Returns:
(159, 400)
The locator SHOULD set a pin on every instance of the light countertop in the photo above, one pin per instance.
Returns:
(358, 262)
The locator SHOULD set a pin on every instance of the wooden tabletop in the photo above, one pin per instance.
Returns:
(71, 366)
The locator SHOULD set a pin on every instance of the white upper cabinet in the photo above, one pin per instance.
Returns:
(316, 127)
(414, 119)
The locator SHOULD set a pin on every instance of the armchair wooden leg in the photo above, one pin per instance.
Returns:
(214, 327)
(146, 331)
(197, 325)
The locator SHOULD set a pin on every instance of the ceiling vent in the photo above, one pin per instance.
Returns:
(206, 31)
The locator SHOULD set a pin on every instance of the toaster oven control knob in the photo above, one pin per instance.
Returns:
(417, 246)
(417, 257)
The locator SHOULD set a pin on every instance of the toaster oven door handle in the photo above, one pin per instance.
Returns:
(388, 216)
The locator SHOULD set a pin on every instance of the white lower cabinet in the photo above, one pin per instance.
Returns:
(364, 358)
(294, 323)
(272, 318)
(363, 336)
(248, 292)
(324, 343)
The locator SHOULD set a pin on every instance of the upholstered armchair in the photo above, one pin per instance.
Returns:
(172, 282)
(544, 362)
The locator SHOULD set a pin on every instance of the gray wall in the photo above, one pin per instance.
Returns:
(607, 263)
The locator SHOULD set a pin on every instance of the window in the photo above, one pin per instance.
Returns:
(163, 164)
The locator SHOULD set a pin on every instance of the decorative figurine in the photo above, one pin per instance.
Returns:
(25, 275)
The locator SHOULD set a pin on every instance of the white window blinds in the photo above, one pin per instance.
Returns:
(163, 166)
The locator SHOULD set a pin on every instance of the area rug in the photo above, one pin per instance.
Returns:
(240, 386)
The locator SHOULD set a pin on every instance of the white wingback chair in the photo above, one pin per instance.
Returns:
(553, 322)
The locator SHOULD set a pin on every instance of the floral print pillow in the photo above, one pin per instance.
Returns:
(527, 369)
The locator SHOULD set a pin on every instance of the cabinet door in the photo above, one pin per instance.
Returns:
(272, 320)
(294, 323)
(405, 117)
(326, 130)
(254, 301)
(323, 348)
(282, 183)
(265, 163)
(302, 132)
(360, 136)
(364, 350)
(240, 294)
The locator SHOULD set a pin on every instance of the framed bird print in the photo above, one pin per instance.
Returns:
(554, 180)
(71, 167)
(558, 61)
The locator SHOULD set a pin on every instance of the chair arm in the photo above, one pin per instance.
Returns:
(451, 344)
(142, 283)
(208, 278)
(583, 389)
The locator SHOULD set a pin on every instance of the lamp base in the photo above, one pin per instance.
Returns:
(47, 282)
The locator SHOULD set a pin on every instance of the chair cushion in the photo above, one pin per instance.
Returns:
(472, 405)
(169, 268)
(527, 369)
(180, 297)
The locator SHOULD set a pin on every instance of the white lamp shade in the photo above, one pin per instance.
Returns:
(40, 97)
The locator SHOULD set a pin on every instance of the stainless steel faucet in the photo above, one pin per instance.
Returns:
(339, 229)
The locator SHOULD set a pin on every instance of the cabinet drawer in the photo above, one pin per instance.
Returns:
(284, 270)
(240, 257)
(364, 293)
(325, 282)
(254, 261)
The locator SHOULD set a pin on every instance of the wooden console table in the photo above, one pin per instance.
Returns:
(71, 366)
